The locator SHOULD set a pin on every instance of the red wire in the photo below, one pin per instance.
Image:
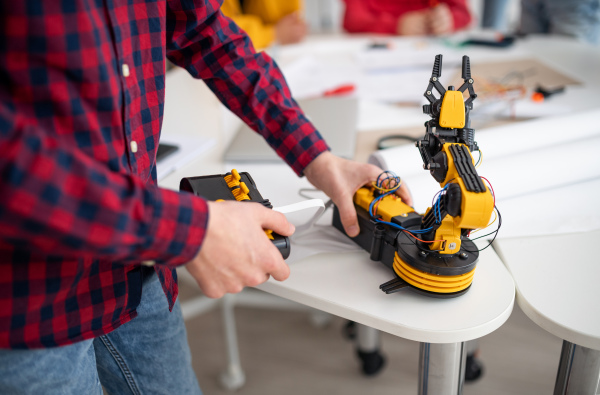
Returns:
(492, 188)
(432, 241)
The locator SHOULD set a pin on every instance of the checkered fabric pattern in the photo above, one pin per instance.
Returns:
(82, 87)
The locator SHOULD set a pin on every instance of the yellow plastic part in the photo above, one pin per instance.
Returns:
(475, 211)
(269, 233)
(452, 113)
(449, 235)
(432, 282)
(241, 193)
(476, 208)
(388, 207)
(233, 180)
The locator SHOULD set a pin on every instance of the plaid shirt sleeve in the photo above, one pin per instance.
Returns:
(58, 201)
(211, 46)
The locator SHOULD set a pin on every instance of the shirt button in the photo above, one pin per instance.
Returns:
(148, 263)
(133, 147)
(125, 69)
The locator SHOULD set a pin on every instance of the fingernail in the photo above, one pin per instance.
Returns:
(352, 230)
(292, 228)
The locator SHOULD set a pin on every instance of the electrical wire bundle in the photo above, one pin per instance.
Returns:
(388, 183)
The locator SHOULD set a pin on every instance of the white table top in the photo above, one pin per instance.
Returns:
(347, 285)
(557, 283)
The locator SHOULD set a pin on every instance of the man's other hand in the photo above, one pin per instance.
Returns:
(340, 179)
(236, 252)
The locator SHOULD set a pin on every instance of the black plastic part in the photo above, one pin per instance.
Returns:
(466, 169)
(378, 234)
(549, 92)
(372, 362)
(435, 263)
(439, 171)
(437, 66)
(394, 285)
(466, 68)
(452, 200)
(283, 244)
(409, 251)
(215, 187)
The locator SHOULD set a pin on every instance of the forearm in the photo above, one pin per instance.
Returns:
(250, 84)
(58, 201)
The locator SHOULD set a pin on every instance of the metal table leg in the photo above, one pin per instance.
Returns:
(578, 370)
(441, 368)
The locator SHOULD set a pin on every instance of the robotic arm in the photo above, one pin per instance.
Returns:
(446, 151)
(431, 253)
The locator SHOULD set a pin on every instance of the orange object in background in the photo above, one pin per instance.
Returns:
(537, 97)
(340, 90)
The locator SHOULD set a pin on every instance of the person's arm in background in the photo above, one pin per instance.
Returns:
(261, 34)
(449, 16)
(211, 47)
(286, 29)
(360, 18)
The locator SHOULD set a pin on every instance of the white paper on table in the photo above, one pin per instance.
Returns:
(308, 77)
(188, 149)
(500, 141)
(536, 168)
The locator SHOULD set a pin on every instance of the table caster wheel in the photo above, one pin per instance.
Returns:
(372, 362)
(473, 368)
(349, 330)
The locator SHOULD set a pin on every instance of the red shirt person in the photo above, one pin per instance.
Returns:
(406, 17)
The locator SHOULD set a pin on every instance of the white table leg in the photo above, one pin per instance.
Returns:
(368, 347)
(233, 377)
(441, 368)
(578, 370)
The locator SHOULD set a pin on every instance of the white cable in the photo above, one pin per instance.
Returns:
(303, 205)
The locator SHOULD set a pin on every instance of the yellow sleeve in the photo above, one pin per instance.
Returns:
(261, 34)
(271, 11)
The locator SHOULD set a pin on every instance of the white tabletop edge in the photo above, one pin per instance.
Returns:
(395, 328)
(405, 332)
(555, 328)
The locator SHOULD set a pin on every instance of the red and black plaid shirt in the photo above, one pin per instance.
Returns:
(82, 87)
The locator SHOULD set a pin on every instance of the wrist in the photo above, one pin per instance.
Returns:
(319, 162)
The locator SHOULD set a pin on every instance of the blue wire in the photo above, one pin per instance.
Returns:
(436, 207)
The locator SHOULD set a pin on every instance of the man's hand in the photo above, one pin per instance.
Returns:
(440, 20)
(340, 179)
(414, 23)
(290, 29)
(236, 251)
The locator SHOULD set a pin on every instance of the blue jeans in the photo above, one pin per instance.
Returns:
(577, 18)
(148, 355)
